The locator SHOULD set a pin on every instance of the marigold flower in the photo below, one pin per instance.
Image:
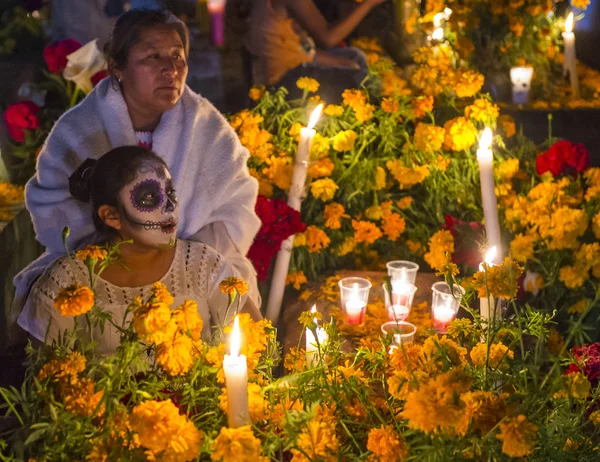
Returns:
(576, 385)
(295, 360)
(175, 356)
(573, 277)
(93, 252)
(316, 239)
(482, 110)
(237, 444)
(188, 319)
(499, 280)
(332, 214)
(364, 113)
(318, 149)
(595, 418)
(257, 92)
(297, 279)
(231, 285)
(507, 123)
(365, 231)
(81, 399)
(11, 194)
(322, 168)
(161, 293)
(299, 240)
(279, 170)
(518, 436)
(429, 137)
(386, 444)
(521, 247)
(440, 243)
(578, 308)
(64, 369)
(390, 105)
(483, 410)
(437, 351)
(380, 181)
(422, 105)
(344, 140)
(596, 225)
(393, 226)
(497, 353)
(74, 300)
(323, 189)
(308, 84)
(463, 330)
(354, 98)
(407, 177)
(460, 134)
(581, 4)
(333, 110)
(405, 202)
(164, 431)
(346, 247)
(555, 342)
(318, 441)
(467, 84)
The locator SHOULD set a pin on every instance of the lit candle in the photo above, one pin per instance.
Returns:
(442, 315)
(488, 195)
(486, 304)
(355, 307)
(521, 81)
(402, 292)
(570, 55)
(438, 34)
(216, 8)
(312, 344)
(445, 304)
(398, 312)
(295, 197)
(236, 380)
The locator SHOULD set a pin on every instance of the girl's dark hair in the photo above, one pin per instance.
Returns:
(98, 181)
(128, 29)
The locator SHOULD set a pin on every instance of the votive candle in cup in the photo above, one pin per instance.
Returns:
(402, 271)
(402, 332)
(354, 295)
(399, 304)
(521, 81)
(445, 304)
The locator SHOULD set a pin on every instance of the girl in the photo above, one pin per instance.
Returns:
(133, 199)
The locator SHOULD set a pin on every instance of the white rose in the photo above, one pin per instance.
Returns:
(82, 64)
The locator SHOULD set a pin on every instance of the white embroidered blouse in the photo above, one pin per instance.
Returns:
(194, 274)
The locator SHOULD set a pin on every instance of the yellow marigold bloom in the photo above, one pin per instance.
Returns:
(365, 231)
(555, 342)
(507, 123)
(237, 444)
(576, 385)
(483, 410)
(497, 353)
(390, 105)
(333, 110)
(596, 225)
(437, 351)
(257, 92)
(573, 277)
(188, 319)
(422, 105)
(323, 189)
(81, 399)
(344, 141)
(11, 194)
(167, 433)
(308, 84)
(332, 214)
(316, 239)
(322, 168)
(579, 308)
(429, 137)
(64, 369)
(402, 383)
(460, 134)
(581, 4)
(231, 285)
(153, 322)
(462, 329)
(366, 44)
(433, 408)
(295, 360)
(175, 356)
(407, 177)
(279, 170)
(415, 247)
(521, 247)
(161, 293)
(405, 202)
(307, 318)
(354, 98)
(295, 130)
(364, 113)
(386, 444)
(468, 83)
(346, 247)
(499, 280)
(440, 243)
(375, 212)
(406, 358)
(565, 227)
(74, 300)
(297, 279)
(518, 436)
(319, 148)
(318, 441)
(92, 252)
(508, 169)
(265, 188)
(393, 226)
(482, 110)
(380, 182)
(595, 418)
(256, 402)
(299, 240)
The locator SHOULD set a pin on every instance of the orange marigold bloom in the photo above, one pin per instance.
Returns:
(324, 167)
(422, 105)
(92, 252)
(518, 436)
(296, 279)
(365, 231)
(393, 225)
(162, 294)
(316, 239)
(74, 300)
(468, 83)
(390, 105)
(332, 214)
(175, 356)
(232, 284)
(429, 137)
(386, 444)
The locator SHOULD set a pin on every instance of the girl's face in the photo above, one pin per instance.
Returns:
(150, 211)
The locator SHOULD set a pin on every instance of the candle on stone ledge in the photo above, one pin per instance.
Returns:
(485, 159)
(570, 55)
(312, 347)
(236, 380)
(486, 304)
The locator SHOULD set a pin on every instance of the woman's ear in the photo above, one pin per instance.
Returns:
(110, 216)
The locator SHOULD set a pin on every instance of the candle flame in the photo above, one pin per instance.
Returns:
(569, 23)
(437, 20)
(314, 118)
(490, 255)
(236, 338)
(447, 13)
(438, 34)
(486, 139)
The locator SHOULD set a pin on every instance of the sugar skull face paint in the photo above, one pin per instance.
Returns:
(150, 206)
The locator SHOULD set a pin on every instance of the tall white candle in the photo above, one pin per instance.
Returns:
(570, 55)
(312, 347)
(488, 195)
(486, 304)
(295, 197)
(236, 381)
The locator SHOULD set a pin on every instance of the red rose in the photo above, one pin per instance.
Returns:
(577, 157)
(20, 117)
(56, 54)
(98, 76)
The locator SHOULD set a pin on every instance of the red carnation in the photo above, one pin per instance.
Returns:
(20, 117)
(562, 156)
(55, 54)
(98, 76)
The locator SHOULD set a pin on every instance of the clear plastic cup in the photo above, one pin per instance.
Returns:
(354, 295)
(402, 271)
(399, 303)
(445, 303)
(402, 331)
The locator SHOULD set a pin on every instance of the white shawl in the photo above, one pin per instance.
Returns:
(204, 156)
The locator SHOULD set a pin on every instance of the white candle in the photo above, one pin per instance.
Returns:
(295, 197)
(236, 381)
(312, 346)
(488, 195)
(355, 308)
(570, 55)
(401, 292)
(486, 304)
(442, 315)
(521, 81)
(398, 312)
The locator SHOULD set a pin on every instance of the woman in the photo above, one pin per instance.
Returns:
(292, 39)
(146, 102)
(134, 202)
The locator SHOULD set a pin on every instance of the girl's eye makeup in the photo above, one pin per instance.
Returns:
(147, 195)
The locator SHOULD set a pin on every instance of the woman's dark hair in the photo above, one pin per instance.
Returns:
(98, 181)
(129, 27)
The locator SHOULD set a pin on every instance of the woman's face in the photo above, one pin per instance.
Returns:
(156, 70)
(149, 207)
